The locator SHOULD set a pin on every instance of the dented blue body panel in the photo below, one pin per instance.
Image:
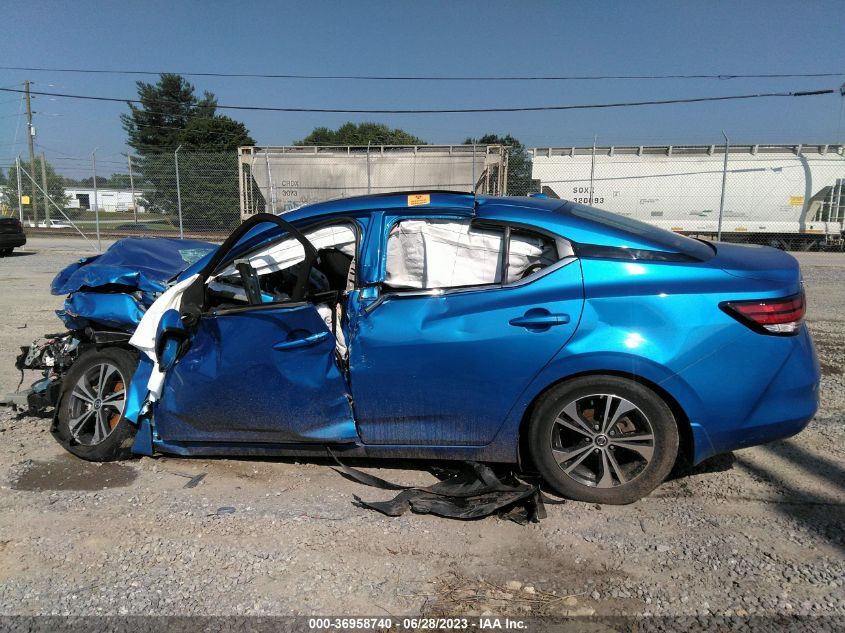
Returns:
(115, 288)
(140, 263)
(454, 374)
(116, 310)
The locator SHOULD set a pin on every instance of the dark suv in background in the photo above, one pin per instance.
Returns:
(11, 235)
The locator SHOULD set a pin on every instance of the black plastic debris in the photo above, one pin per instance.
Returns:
(193, 482)
(468, 491)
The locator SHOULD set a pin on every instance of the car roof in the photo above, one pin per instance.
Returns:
(438, 199)
(574, 222)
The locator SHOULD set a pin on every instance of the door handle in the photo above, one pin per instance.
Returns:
(302, 342)
(544, 319)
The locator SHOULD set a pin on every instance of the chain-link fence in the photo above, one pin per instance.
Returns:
(174, 194)
(788, 196)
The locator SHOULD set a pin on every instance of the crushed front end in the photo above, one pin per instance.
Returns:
(106, 297)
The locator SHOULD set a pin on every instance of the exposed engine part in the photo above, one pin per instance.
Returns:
(53, 354)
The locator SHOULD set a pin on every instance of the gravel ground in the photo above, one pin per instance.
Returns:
(757, 532)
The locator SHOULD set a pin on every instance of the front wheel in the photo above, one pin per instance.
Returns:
(90, 422)
(603, 439)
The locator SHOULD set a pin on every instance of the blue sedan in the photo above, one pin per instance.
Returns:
(593, 348)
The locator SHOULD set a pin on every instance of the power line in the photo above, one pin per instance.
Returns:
(623, 104)
(720, 76)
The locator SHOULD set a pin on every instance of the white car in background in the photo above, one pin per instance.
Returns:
(53, 224)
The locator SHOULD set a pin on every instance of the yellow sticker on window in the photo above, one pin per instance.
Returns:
(796, 201)
(420, 198)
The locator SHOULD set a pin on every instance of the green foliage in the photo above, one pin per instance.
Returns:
(519, 161)
(55, 188)
(169, 115)
(115, 181)
(360, 134)
(217, 134)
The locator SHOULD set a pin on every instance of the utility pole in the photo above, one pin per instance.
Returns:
(31, 135)
(724, 180)
(178, 192)
(44, 190)
(18, 170)
(132, 187)
(96, 205)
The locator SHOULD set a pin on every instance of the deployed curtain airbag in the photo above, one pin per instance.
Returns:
(447, 254)
(289, 252)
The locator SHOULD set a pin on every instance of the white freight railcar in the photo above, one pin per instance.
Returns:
(278, 179)
(775, 194)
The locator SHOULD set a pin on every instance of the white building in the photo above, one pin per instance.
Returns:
(109, 200)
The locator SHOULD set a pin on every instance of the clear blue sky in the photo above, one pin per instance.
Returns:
(416, 38)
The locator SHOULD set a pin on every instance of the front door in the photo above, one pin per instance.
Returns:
(258, 374)
(262, 364)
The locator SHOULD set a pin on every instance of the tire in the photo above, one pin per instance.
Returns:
(5, 252)
(615, 465)
(90, 422)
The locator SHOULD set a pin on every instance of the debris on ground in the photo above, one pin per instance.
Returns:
(468, 491)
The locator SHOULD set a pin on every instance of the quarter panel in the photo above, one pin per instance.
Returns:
(661, 321)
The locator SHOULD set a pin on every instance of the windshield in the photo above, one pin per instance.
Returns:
(666, 239)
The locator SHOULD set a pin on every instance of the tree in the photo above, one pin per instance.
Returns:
(217, 134)
(169, 115)
(519, 161)
(55, 189)
(360, 134)
(115, 181)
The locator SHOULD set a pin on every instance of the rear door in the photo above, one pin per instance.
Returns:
(444, 351)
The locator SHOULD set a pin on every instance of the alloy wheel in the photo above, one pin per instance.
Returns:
(96, 404)
(602, 440)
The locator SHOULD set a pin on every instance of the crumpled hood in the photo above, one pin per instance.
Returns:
(115, 289)
(136, 263)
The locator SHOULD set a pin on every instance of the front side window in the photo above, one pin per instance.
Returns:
(276, 267)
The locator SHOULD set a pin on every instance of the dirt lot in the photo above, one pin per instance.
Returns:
(755, 532)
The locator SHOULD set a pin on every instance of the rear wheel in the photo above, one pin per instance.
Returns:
(603, 439)
(90, 420)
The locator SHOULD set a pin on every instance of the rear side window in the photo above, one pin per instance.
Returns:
(529, 253)
(425, 254)
(668, 240)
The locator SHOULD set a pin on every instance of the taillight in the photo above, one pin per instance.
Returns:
(769, 316)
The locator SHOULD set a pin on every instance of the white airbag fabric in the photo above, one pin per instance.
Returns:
(448, 254)
(289, 251)
(144, 337)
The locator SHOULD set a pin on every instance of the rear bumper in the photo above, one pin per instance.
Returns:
(784, 409)
(12, 240)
